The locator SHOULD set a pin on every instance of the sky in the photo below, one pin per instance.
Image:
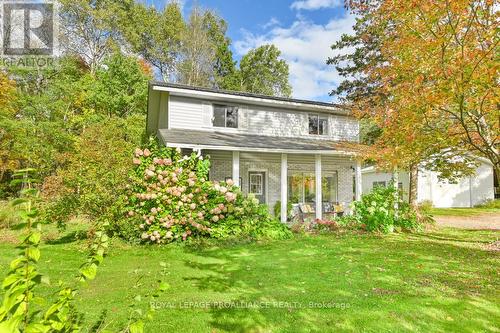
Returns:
(303, 30)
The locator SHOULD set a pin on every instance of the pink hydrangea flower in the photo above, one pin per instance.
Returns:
(147, 152)
(136, 161)
(138, 152)
(230, 182)
(230, 196)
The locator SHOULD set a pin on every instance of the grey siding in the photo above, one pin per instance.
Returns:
(185, 113)
(191, 113)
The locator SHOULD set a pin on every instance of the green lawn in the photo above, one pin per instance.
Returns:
(463, 211)
(443, 281)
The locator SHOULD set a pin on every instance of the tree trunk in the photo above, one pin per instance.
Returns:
(412, 196)
(496, 170)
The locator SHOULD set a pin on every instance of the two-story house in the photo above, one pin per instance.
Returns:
(279, 149)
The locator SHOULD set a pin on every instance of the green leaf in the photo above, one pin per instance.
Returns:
(9, 280)
(136, 327)
(37, 328)
(19, 201)
(89, 271)
(35, 237)
(34, 253)
(11, 325)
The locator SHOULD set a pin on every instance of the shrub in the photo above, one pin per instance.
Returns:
(95, 174)
(383, 210)
(171, 199)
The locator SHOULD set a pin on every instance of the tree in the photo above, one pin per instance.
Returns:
(198, 52)
(154, 35)
(433, 93)
(119, 88)
(357, 52)
(97, 172)
(225, 72)
(89, 29)
(7, 91)
(262, 72)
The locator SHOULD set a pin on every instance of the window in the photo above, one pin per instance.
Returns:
(379, 184)
(318, 125)
(256, 184)
(225, 116)
(302, 187)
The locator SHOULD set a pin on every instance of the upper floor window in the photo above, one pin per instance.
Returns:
(225, 116)
(318, 125)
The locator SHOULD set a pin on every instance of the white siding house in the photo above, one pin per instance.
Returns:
(280, 149)
(467, 192)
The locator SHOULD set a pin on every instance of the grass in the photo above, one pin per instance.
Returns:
(489, 207)
(441, 281)
(463, 211)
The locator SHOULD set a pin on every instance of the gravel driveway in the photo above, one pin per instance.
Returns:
(483, 221)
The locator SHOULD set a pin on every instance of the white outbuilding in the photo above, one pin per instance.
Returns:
(467, 192)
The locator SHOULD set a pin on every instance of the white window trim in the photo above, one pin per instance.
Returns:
(237, 128)
(266, 179)
(319, 115)
(261, 184)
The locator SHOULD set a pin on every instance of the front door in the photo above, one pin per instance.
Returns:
(257, 185)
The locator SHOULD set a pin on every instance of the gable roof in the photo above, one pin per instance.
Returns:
(249, 98)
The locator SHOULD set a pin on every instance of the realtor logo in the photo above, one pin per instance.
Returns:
(27, 27)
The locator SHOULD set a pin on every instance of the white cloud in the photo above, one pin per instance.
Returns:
(306, 47)
(315, 4)
(271, 23)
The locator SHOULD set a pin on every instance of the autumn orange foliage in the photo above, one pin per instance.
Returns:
(440, 88)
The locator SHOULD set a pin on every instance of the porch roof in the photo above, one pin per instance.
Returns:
(232, 141)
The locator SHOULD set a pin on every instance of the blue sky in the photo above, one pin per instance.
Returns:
(302, 29)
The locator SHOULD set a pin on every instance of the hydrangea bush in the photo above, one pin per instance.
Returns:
(170, 199)
(383, 210)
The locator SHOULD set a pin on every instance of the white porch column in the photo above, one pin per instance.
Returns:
(319, 196)
(284, 187)
(236, 168)
(359, 186)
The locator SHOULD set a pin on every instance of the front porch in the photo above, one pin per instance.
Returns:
(319, 180)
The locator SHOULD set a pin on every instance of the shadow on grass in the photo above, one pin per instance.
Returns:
(69, 237)
(386, 281)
